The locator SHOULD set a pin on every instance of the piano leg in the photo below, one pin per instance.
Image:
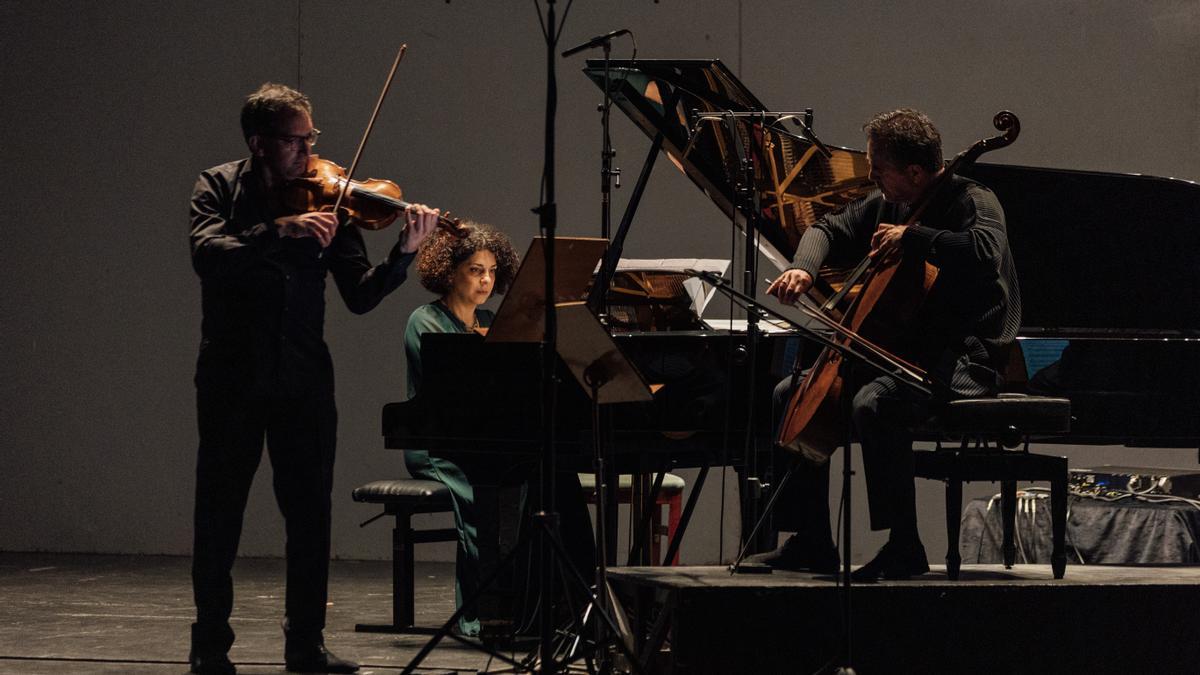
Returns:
(610, 520)
(498, 530)
(1058, 518)
(953, 524)
(647, 514)
(1008, 510)
(697, 488)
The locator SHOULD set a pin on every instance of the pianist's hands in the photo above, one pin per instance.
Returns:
(790, 286)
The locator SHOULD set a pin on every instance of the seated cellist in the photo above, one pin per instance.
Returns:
(967, 322)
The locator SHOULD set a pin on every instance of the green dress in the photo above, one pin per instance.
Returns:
(435, 317)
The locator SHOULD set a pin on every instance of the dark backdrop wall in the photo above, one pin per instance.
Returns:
(111, 109)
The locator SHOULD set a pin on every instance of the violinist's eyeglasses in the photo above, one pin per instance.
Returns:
(295, 141)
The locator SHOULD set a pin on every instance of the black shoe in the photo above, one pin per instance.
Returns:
(796, 555)
(315, 658)
(894, 561)
(216, 664)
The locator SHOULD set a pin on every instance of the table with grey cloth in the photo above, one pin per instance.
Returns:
(1128, 531)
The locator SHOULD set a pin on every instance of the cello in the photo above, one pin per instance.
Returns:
(874, 323)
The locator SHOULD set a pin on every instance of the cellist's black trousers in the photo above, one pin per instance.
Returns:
(300, 436)
(882, 413)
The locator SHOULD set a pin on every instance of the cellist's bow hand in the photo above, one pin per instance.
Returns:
(885, 243)
(790, 285)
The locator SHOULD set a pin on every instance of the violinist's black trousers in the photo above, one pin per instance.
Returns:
(882, 412)
(300, 437)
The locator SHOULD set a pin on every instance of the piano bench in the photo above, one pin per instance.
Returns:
(403, 498)
(995, 435)
(670, 495)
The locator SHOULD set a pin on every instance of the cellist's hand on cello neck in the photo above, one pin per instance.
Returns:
(790, 285)
(885, 243)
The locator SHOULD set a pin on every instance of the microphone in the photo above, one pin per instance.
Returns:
(596, 41)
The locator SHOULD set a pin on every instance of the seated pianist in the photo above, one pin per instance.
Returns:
(464, 272)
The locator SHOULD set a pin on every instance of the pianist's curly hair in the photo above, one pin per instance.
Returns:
(443, 252)
(907, 136)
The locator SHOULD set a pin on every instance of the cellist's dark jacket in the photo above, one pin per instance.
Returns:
(971, 315)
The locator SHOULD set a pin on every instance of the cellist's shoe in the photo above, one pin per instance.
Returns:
(896, 560)
(796, 555)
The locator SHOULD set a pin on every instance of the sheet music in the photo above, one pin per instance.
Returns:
(699, 292)
(739, 325)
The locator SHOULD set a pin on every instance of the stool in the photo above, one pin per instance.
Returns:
(403, 498)
(995, 424)
(670, 494)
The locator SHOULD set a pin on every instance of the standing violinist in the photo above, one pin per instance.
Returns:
(264, 370)
(965, 327)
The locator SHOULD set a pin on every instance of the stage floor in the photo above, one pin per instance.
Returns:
(1098, 619)
(130, 614)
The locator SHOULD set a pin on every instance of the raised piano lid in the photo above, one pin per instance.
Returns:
(796, 183)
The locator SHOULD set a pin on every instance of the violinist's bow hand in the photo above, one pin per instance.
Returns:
(790, 285)
(320, 225)
(419, 221)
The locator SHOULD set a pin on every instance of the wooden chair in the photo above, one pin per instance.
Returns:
(670, 495)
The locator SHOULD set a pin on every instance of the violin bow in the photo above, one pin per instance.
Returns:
(370, 124)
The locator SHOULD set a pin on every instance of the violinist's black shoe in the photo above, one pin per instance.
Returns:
(896, 560)
(315, 658)
(210, 649)
(214, 664)
(305, 652)
(797, 555)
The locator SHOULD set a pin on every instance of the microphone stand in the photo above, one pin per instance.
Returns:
(607, 172)
(547, 517)
(598, 298)
(746, 200)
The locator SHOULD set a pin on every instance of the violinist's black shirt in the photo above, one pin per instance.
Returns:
(971, 315)
(263, 296)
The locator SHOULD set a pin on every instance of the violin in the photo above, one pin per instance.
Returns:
(371, 204)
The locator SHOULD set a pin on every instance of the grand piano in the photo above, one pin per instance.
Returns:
(1109, 282)
(1107, 263)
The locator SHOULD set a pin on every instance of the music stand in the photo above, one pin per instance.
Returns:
(600, 368)
(521, 317)
(608, 377)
